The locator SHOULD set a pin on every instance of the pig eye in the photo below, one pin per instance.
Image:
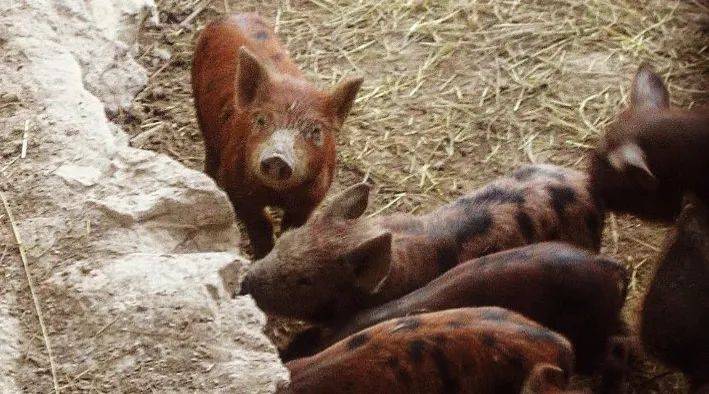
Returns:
(260, 120)
(314, 134)
(304, 282)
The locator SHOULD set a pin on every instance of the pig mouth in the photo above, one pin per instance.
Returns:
(277, 163)
(281, 181)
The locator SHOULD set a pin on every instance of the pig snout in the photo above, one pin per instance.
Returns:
(245, 286)
(277, 160)
(277, 168)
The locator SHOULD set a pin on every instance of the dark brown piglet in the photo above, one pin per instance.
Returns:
(269, 134)
(469, 350)
(652, 153)
(567, 289)
(340, 262)
(675, 315)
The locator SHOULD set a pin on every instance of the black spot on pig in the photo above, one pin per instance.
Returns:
(448, 380)
(401, 373)
(561, 196)
(446, 257)
(357, 341)
(475, 223)
(495, 314)
(489, 341)
(538, 334)
(416, 349)
(525, 225)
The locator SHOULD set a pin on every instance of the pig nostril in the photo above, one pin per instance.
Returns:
(276, 168)
(285, 172)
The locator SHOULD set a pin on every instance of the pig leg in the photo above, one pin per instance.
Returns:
(258, 228)
(295, 217)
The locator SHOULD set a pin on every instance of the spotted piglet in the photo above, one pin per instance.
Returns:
(652, 153)
(675, 315)
(340, 262)
(470, 350)
(567, 289)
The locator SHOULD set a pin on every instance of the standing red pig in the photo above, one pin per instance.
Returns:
(269, 134)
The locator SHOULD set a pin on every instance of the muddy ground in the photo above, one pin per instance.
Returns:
(456, 93)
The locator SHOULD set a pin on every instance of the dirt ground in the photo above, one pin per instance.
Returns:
(456, 93)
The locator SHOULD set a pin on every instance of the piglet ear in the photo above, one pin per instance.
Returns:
(648, 90)
(251, 77)
(631, 157)
(350, 204)
(343, 96)
(370, 262)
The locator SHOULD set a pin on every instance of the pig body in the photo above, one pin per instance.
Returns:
(675, 313)
(269, 135)
(470, 350)
(560, 286)
(339, 263)
(652, 154)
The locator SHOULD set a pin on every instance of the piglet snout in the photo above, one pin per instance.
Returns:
(245, 286)
(276, 167)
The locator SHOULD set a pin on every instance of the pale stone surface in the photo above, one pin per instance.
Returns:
(148, 245)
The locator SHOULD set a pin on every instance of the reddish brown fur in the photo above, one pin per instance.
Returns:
(675, 315)
(560, 286)
(471, 350)
(339, 263)
(674, 143)
(248, 93)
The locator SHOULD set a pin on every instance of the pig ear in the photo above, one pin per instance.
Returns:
(648, 90)
(632, 156)
(350, 204)
(370, 262)
(343, 96)
(251, 76)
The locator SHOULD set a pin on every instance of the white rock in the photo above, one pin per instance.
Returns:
(157, 242)
(83, 175)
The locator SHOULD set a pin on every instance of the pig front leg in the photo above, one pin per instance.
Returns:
(258, 228)
(295, 217)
